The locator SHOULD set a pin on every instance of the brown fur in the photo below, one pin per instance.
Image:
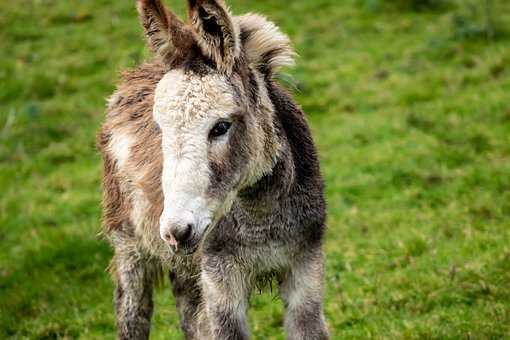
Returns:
(130, 112)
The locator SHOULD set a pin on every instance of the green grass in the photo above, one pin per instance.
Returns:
(410, 110)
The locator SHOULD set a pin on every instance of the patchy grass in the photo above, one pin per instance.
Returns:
(411, 113)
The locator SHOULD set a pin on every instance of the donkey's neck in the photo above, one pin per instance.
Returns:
(296, 178)
(269, 188)
(269, 193)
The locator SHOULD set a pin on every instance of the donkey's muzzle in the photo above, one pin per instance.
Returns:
(182, 233)
(178, 233)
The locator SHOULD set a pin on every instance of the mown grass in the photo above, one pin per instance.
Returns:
(410, 110)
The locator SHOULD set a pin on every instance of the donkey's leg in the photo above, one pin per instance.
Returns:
(133, 295)
(301, 291)
(226, 290)
(187, 296)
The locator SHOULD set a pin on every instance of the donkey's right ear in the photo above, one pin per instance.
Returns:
(163, 29)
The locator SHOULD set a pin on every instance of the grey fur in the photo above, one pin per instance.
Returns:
(133, 296)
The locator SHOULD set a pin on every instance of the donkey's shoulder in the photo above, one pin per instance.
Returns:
(136, 88)
(129, 108)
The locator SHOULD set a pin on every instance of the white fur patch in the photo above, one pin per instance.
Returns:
(186, 108)
(120, 146)
(264, 38)
(139, 208)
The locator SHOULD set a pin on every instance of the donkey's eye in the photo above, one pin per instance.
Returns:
(220, 129)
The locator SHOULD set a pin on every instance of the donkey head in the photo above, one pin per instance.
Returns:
(213, 109)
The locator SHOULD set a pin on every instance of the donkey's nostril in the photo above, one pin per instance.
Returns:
(182, 233)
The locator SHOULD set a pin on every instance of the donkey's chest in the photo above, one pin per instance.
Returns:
(262, 246)
(267, 233)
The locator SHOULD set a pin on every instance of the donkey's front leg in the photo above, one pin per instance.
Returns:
(187, 298)
(301, 291)
(133, 295)
(226, 292)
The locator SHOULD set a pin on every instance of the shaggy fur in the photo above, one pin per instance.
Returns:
(263, 177)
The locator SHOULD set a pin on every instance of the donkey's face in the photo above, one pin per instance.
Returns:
(213, 110)
(205, 154)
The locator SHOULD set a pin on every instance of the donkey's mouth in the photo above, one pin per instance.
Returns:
(194, 243)
(188, 248)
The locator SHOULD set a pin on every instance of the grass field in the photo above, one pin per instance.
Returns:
(411, 113)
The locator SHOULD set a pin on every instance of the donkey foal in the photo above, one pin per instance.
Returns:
(211, 174)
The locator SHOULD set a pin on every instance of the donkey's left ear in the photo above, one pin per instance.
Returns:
(217, 33)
